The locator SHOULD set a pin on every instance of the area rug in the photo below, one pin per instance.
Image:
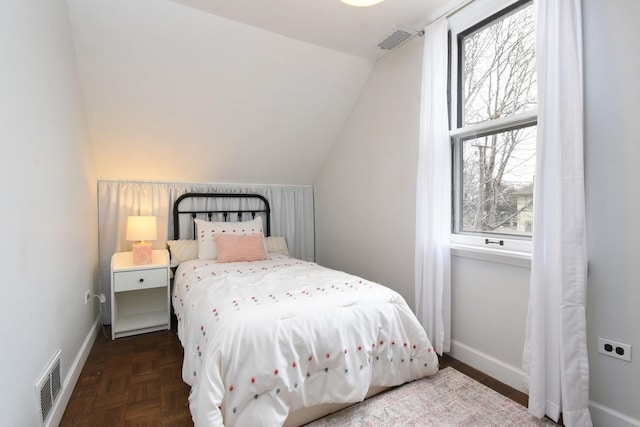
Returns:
(447, 399)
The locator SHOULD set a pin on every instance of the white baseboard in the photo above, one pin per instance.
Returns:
(601, 415)
(502, 371)
(71, 379)
(604, 416)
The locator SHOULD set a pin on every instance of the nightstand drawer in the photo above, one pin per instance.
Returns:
(140, 279)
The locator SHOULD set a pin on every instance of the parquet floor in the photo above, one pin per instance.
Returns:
(132, 381)
(136, 382)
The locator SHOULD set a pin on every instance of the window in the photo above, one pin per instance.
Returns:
(494, 103)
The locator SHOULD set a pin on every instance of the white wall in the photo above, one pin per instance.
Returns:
(177, 94)
(49, 249)
(489, 308)
(612, 67)
(373, 166)
(365, 193)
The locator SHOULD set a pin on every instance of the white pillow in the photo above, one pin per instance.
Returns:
(205, 230)
(182, 250)
(276, 245)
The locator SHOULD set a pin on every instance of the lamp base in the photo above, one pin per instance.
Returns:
(141, 253)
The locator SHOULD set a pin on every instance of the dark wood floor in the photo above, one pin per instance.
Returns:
(136, 381)
(132, 381)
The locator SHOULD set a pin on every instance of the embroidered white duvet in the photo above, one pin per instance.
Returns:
(267, 337)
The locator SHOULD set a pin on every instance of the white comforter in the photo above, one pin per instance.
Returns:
(264, 338)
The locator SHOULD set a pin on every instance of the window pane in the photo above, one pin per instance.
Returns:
(497, 182)
(498, 69)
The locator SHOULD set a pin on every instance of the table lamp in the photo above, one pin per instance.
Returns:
(141, 230)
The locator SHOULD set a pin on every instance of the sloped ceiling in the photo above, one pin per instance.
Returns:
(330, 23)
(175, 93)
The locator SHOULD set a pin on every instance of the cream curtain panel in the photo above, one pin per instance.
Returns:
(555, 354)
(433, 195)
(291, 217)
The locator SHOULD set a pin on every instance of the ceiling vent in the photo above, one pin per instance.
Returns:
(399, 37)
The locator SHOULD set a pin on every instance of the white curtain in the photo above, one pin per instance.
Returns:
(555, 353)
(433, 198)
(292, 217)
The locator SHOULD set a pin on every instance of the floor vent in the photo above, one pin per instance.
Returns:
(48, 388)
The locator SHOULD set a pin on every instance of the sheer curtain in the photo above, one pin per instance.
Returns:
(433, 198)
(555, 353)
(291, 217)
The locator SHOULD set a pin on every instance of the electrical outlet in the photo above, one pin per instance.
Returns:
(614, 349)
(103, 299)
(87, 296)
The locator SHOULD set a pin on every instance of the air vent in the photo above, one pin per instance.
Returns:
(48, 388)
(400, 36)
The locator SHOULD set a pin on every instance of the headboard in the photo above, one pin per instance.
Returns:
(227, 207)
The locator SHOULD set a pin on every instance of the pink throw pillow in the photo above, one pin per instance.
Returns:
(236, 247)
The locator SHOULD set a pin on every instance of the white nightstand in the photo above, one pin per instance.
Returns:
(139, 294)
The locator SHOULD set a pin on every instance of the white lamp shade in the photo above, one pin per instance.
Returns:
(361, 3)
(141, 228)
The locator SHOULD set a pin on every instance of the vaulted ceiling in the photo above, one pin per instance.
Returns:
(252, 91)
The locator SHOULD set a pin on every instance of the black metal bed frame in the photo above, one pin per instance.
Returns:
(194, 213)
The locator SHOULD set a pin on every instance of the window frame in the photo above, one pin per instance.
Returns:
(470, 20)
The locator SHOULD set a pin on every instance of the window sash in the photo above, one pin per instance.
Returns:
(492, 126)
(503, 13)
(457, 141)
(469, 23)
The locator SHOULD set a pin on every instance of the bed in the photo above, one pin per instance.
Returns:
(272, 340)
